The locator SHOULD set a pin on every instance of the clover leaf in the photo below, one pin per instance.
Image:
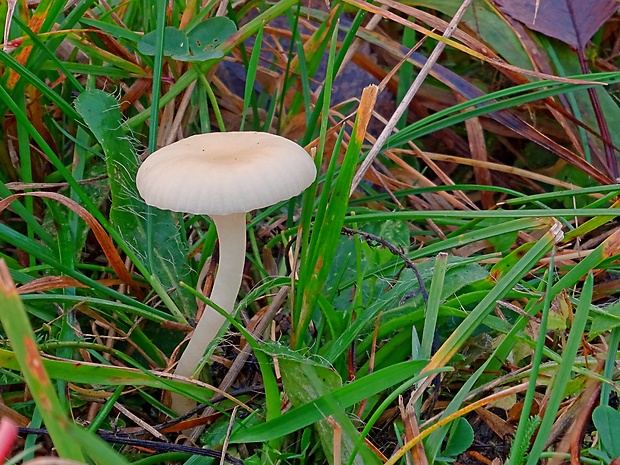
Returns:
(199, 44)
(175, 43)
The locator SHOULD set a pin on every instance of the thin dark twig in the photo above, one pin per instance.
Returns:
(154, 445)
(373, 240)
(200, 408)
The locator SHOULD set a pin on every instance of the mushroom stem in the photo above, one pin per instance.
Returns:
(232, 236)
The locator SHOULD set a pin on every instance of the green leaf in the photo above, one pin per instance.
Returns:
(166, 257)
(607, 422)
(206, 37)
(305, 382)
(330, 403)
(460, 439)
(175, 43)
(606, 319)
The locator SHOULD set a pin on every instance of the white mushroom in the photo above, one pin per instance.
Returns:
(223, 175)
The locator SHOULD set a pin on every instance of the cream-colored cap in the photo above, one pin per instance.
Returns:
(225, 172)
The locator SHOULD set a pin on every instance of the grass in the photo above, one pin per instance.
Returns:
(449, 283)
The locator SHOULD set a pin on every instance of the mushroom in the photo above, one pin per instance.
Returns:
(223, 175)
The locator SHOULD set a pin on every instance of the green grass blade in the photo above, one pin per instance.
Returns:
(327, 242)
(107, 375)
(564, 370)
(432, 307)
(520, 443)
(251, 76)
(272, 391)
(507, 282)
(19, 331)
(310, 235)
(95, 448)
(440, 214)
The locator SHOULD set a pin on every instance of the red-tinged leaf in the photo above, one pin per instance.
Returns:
(571, 21)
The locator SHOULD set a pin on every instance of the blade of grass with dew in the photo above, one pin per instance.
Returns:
(318, 266)
(129, 215)
(21, 336)
(562, 376)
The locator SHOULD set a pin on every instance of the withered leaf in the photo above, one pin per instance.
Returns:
(571, 21)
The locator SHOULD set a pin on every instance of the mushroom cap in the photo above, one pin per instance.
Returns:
(225, 172)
